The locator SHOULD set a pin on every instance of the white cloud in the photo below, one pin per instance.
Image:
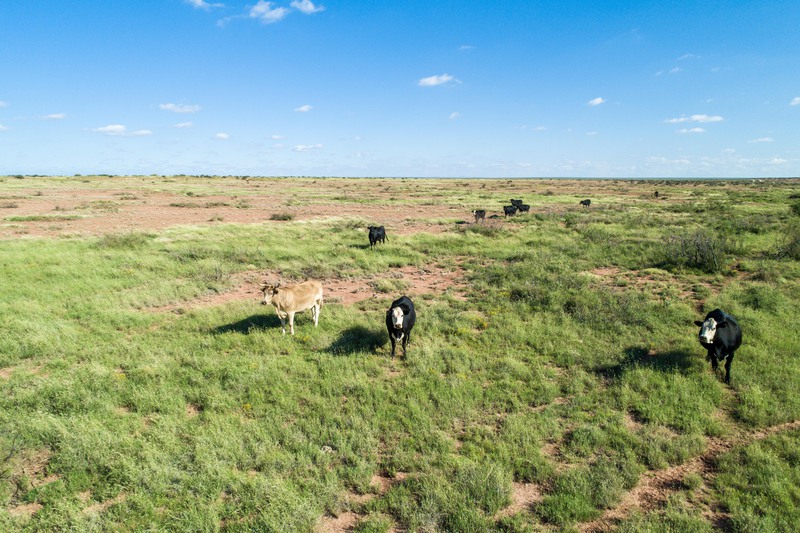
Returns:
(118, 130)
(465, 47)
(264, 12)
(201, 4)
(303, 108)
(222, 136)
(184, 125)
(778, 161)
(432, 81)
(306, 6)
(692, 130)
(795, 101)
(454, 115)
(695, 118)
(675, 70)
(306, 147)
(591, 133)
(55, 116)
(180, 108)
(3, 128)
(3, 104)
(276, 137)
(762, 140)
(596, 101)
(688, 56)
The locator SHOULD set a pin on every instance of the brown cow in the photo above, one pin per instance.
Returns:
(291, 299)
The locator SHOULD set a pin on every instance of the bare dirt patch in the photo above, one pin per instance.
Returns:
(655, 487)
(28, 509)
(523, 497)
(102, 506)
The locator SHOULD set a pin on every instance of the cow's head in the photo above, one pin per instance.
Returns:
(268, 290)
(708, 329)
(396, 316)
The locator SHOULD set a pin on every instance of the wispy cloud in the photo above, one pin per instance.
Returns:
(276, 137)
(222, 136)
(761, 140)
(180, 108)
(306, 147)
(3, 104)
(3, 128)
(184, 125)
(692, 130)
(596, 101)
(454, 115)
(118, 130)
(432, 81)
(303, 108)
(688, 56)
(695, 118)
(55, 116)
(466, 47)
(795, 101)
(306, 6)
(266, 14)
(201, 4)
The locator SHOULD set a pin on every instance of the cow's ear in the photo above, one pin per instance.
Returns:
(722, 324)
(698, 323)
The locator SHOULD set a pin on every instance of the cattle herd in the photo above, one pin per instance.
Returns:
(719, 334)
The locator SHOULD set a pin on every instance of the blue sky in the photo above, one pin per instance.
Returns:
(412, 88)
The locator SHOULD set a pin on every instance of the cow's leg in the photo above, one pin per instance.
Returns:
(394, 343)
(317, 308)
(728, 368)
(713, 358)
(405, 341)
(291, 323)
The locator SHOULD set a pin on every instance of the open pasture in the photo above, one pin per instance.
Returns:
(554, 380)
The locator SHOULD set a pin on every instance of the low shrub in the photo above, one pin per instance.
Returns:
(281, 216)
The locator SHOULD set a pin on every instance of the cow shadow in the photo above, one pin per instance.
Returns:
(670, 362)
(357, 339)
(245, 326)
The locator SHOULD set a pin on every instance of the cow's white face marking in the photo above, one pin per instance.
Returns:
(397, 318)
(708, 330)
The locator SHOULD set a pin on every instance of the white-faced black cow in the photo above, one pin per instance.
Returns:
(479, 214)
(585, 203)
(721, 335)
(510, 210)
(376, 234)
(400, 319)
(516, 203)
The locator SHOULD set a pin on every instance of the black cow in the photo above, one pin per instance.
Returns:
(656, 194)
(479, 214)
(509, 210)
(400, 319)
(523, 208)
(516, 203)
(585, 203)
(376, 234)
(721, 335)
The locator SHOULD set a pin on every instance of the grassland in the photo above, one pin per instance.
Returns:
(560, 386)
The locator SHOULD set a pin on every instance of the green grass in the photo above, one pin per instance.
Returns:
(123, 405)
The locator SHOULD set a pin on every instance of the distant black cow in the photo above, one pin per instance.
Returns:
(656, 194)
(376, 234)
(509, 210)
(721, 335)
(400, 319)
(585, 203)
(516, 203)
(523, 208)
(479, 214)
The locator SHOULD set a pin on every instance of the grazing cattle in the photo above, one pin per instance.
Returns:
(291, 299)
(721, 335)
(479, 214)
(585, 203)
(376, 234)
(523, 208)
(400, 319)
(516, 203)
(509, 210)
(656, 194)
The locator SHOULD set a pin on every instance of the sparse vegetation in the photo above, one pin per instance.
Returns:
(131, 398)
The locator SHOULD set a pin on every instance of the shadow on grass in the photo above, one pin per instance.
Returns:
(244, 326)
(674, 361)
(358, 339)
